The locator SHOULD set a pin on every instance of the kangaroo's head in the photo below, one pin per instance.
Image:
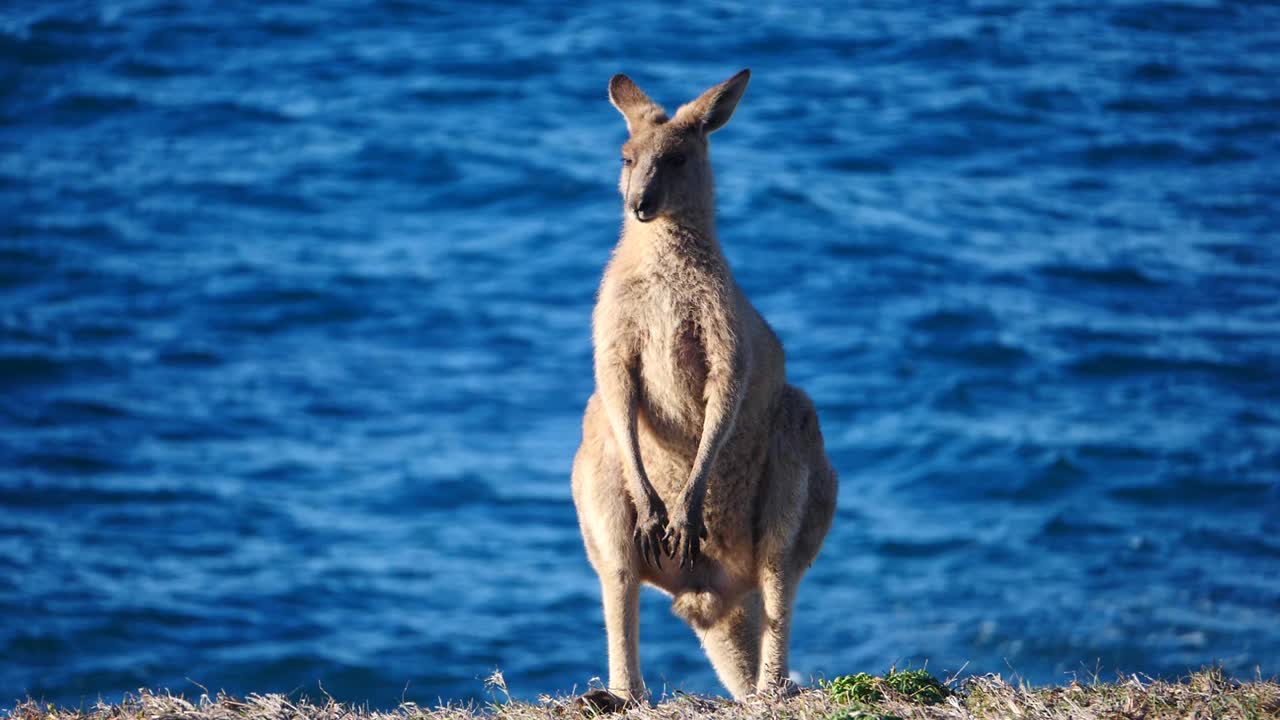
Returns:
(666, 168)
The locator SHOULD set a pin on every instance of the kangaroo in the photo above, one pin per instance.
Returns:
(701, 471)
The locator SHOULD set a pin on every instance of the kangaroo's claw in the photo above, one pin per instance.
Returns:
(684, 538)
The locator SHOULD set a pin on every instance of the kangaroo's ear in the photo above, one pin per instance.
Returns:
(634, 105)
(714, 107)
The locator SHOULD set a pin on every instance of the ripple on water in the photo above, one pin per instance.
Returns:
(1125, 364)
(43, 495)
(1109, 276)
(1195, 491)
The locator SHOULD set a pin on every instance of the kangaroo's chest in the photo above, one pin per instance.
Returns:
(673, 363)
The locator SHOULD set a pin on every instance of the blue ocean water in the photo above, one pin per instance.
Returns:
(294, 334)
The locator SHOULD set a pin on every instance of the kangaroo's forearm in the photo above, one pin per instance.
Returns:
(724, 397)
(618, 392)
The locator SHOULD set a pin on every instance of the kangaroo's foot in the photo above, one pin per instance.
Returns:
(777, 690)
(602, 702)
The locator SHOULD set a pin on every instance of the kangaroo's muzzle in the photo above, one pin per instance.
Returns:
(644, 209)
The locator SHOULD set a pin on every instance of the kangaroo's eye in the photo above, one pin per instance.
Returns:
(677, 160)
(627, 161)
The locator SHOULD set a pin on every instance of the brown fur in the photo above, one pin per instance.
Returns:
(701, 471)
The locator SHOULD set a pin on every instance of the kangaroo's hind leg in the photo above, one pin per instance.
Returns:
(732, 644)
(607, 521)
(796, 505)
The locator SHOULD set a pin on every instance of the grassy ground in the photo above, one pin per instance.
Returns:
(904, 695)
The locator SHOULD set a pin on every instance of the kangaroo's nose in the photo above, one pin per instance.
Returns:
(643, 209)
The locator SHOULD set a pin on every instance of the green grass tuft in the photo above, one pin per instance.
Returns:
(857, 689)
(917, 686)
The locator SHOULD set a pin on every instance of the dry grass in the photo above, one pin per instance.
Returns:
(1206, 694)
